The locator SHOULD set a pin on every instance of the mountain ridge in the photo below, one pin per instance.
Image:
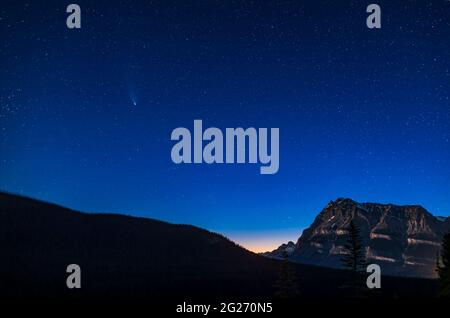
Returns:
(404, 239)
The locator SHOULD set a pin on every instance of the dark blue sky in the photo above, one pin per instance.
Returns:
(362, 113)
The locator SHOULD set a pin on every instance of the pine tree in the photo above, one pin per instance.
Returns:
(286, 285)
(443, 267)
(355, 259)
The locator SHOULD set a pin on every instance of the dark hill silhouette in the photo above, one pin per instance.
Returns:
(123, 256)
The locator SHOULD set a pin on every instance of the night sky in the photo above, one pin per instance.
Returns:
(86, 115)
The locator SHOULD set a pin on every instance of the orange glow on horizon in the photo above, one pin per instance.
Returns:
(264, 241)
(260, 247)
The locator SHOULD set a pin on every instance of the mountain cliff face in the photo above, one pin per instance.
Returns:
(403, 240)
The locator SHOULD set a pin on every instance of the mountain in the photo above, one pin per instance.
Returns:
(280, 252)
(403, 240)
(124, 257)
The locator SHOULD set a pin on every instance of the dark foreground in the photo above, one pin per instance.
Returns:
(134, 263)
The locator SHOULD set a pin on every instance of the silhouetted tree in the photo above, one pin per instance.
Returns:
(443, 267)
(286, 285)
(355, 259)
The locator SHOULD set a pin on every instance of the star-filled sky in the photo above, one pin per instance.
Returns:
(86, 114)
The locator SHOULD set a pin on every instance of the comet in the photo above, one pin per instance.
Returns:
(133, 98)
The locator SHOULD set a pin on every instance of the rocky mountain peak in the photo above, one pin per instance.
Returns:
(403, 240)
